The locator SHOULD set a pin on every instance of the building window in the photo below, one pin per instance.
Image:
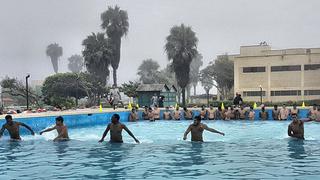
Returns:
(311, 92)
(309, 67)
(285, 68)
(253, 93)
(253, 69)
(286, 93)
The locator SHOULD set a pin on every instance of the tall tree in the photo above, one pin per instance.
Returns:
(181, 48)
(194, 71)
(97, 56)
(54, 51)
(206, 80)
(148, 71)
(222, 73)
(115, 22)
(75, 63)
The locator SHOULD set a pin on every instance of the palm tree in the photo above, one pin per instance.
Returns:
(115, 22)
(181, 48)
(75, 63)
(97, 55)
(54, 51)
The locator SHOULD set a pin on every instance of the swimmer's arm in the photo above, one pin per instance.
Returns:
(212, 130)
(186, 133)
(105, 133)
(130, 133)
(1, 131)
(26, 126)
(47, 130)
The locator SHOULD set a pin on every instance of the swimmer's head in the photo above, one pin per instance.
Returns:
(59, 120)
(263, 108)
(314, 106)
(167, 108)
(251, 108)
(185, 108)
(115, 118)
(197, 120)
(284, 105)
(8, 119)
(294, 106)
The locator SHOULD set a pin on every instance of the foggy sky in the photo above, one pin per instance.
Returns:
(27, 27)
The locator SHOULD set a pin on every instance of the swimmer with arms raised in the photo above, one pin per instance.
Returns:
(197, 128)
(13, 128)
(115, 128)
(61, 129)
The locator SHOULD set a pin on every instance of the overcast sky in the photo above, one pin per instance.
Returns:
(27, 27)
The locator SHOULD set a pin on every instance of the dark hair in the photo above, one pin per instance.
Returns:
(185, 108)
(198, 118)
(116, 116)
(59, 118)
(8, 117)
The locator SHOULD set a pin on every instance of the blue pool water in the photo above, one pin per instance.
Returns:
(250, 150)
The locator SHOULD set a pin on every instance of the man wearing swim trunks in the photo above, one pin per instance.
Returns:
(115, 128)
(61, 129)
(296, 129)
(197, 128)
(13, 128)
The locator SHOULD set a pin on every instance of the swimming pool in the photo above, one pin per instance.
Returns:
(250, 149)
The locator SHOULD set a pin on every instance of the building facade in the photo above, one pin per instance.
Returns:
(279, 75)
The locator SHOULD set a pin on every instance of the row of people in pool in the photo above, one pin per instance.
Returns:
(220, 114)
(295, 129)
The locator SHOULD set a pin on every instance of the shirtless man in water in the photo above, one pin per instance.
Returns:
(115, 128)
(61, 129)
(13, 128)
(197, 129)
(296, 129)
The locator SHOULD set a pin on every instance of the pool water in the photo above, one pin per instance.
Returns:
(258, 150)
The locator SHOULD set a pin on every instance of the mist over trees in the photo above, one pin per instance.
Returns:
(76, 63)
(148, 71)
(97, 55)
(181, 48)
(115, 23)
(54, 51)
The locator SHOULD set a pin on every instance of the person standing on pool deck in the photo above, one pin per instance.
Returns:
(13, 128)
(115, 128)
(197, 128)
(296, 129)
(61, 129)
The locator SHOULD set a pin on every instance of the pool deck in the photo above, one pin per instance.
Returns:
(66, 112)
(92, 111)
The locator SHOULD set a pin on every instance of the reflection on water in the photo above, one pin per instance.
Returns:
(296, 148)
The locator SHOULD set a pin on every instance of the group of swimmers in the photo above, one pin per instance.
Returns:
(231, 113)
(295, 128)
(115, 127)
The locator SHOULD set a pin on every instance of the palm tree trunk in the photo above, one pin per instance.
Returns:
(115, 77)
(184, 97)
(194, 89)
(207, 92)
(54, 62)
